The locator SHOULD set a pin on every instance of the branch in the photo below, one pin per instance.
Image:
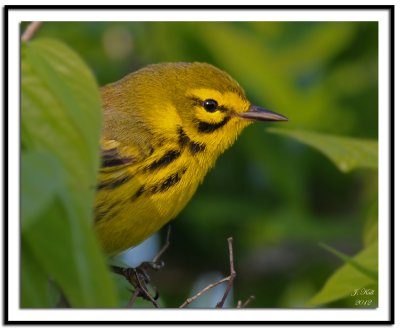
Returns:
(30, 31)
(164, 248)
(132, 301)
(139, 279)
(229, 278)
(210, 286)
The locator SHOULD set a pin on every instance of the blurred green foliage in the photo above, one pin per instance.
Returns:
(346, 153)
(276, 197)
(61, 122)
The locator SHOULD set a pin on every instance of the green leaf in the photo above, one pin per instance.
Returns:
(348, 278)
(346, 153)
(36, 168)
(61, 120)
(372, 274)
(58, 233)
(61, 106)
(35, 283)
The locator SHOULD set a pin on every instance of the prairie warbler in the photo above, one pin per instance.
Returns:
(164, 127)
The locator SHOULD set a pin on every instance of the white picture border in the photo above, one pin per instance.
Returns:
(15, 313)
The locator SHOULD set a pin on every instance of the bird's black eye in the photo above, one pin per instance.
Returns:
(210, 105)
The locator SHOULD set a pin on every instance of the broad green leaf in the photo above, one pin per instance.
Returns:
(36, 168)
(35, 284)
(61, 107)
(347, 278)
(346, 153)
(61, 120)
(54, 240)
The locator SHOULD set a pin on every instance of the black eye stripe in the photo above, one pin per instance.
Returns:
(198, 102)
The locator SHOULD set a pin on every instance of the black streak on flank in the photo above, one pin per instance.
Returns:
(138, 193)
(165, 160)
(105, 214)
(205, 127)
(168, 183)
(99, 215)
(111, 184)
(196, 147)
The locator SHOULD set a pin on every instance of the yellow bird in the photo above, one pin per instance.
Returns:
(164, 127)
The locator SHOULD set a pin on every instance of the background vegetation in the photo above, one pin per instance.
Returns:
(280, 191)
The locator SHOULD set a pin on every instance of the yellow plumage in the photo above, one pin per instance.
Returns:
(164, 127)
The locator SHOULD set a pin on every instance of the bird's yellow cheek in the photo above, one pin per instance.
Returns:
(163, 123)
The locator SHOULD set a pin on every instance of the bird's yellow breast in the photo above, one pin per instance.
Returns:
(136, 200)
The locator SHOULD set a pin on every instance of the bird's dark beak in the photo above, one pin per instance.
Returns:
(258, 113)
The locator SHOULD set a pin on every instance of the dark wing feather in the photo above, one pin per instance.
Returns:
(115, 156)
(112, 158)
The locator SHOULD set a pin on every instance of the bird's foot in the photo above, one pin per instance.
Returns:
(139, 278)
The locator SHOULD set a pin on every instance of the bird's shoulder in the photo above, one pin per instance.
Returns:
(126, 139)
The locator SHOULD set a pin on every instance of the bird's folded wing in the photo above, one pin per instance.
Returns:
(115, 155)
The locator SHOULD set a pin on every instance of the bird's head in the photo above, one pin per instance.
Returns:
(198, 98)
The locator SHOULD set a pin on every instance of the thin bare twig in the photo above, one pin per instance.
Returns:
(210, 286)
(143, 290)
(133, 298)
(30, 31)
(231, 277)
(228, 279)
(164, 248)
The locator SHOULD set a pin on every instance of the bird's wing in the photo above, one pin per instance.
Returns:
(126, 140)
(114, 155)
